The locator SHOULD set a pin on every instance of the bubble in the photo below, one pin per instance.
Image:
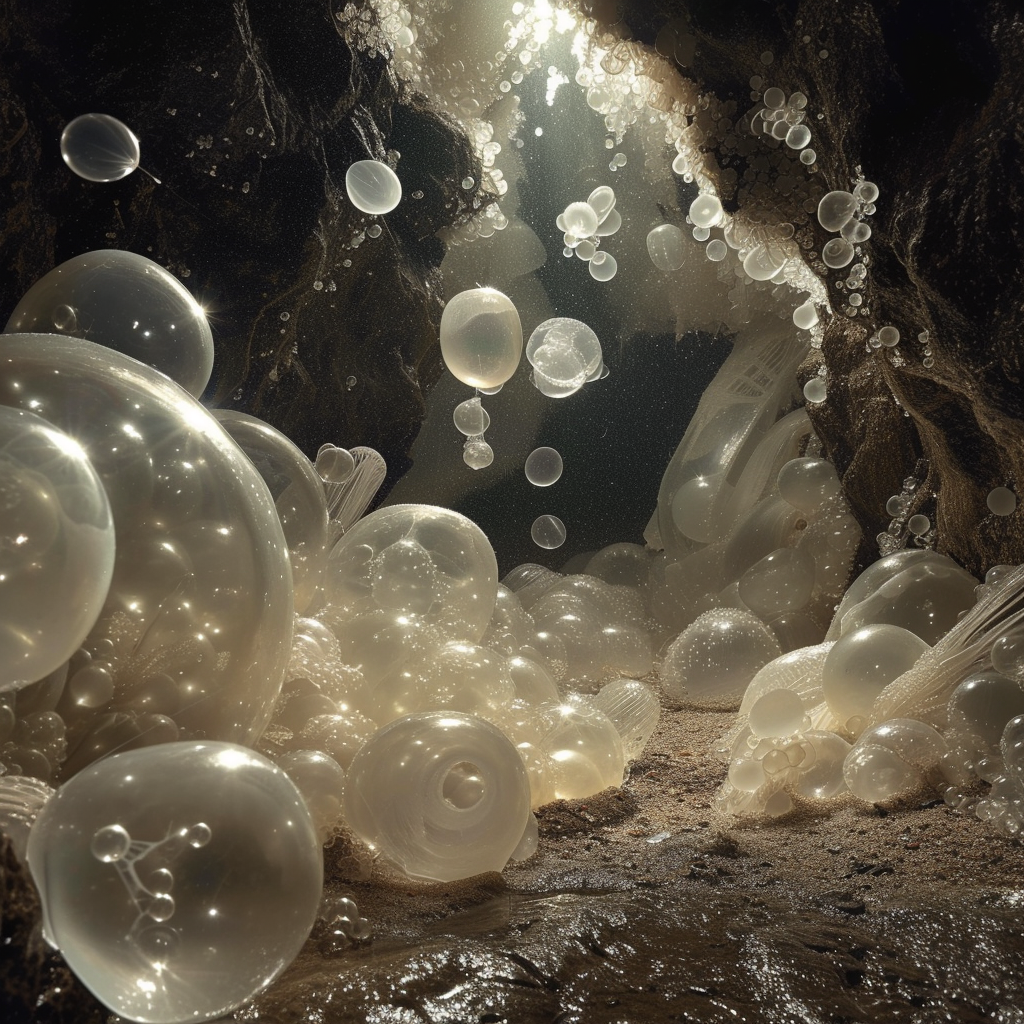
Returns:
(585, 250)
(782, 581)
(634, 710)
(889, 337)
(548, 532)
(98, 147)
(471, 418)
(891, 759)
(321, 781)
(604, 270)
(919, 525)
(128, 303)
(763, 262)
(777, 713)
(981, 706)
(440, 795)
(815, 390)
(837, 253)
(692, 504)
(373, 187)
(835, 209)
(481, 337)
(107, 910)
(866, 192)
(543, 467)
(716, 250)
(666, 247)
(774, 98)
(199, 835)
(808, 484)
(1001, 501)
(808, 156)
(798, 136)
(856, 231)
(477, 454)
(602, 202)
(823, 777)
(580, 219)
(706, 210)
(468, 183)
(335, 465)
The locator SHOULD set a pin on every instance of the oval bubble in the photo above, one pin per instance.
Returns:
(481, 337)
(548, 532)
(373, 187)
(666, 247)
(543, 467)
(99, 147)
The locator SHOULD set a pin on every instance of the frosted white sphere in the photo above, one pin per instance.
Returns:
(179, 880)
(805, 316)
(837, 253)
(782, 581)
(548, 532)
(634, 710)
(706, 210)
(373, 187)
(815, 390)
(777, 714)
(126, 302)
(711, 663)
(892, 759)
(99, 147)
(543, 467)
(477, 454)
(56, 547)
(481, 337)
(862, 663)
(981, 706)
(666, 247)
(602, 202)
(1001, 501)
(580, 220)
(808, 484)
(441, 795)
(471, 418)
(835, 209)
(692, 505)
(603, 269)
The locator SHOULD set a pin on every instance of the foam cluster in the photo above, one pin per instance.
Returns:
(585, 224)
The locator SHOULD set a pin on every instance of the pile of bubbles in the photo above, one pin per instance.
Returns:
(844, 212)
(584, 224)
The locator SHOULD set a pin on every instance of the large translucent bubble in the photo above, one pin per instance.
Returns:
(481, 337)
(197, 623)
(126, 302)
(177, 881)
(98, 147)
(373, 187)
(56, 547)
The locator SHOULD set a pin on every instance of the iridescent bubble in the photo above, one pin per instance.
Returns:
(548, 532)
(128, 303)
(98, 147)
(543, 467)
(373, 187)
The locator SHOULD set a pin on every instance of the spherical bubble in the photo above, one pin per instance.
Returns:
(919, 525)
(889, 336)
(602, 202)
(372, 187)
(805, 316)
(298, 495)
(808, 484)
(321, 781)
(747, 774)
(1001, 501)
(822, 777)
(716, 250)
(477, 454)
(713, 660)
(981, 706)
(891, 759)
(532, 681)
(837, 253)
(201, 590)
(585, 250)
(471, 418)
(548, 532)
(692, 505)
(56, 547)
(441, 795)
(782, 581)
(610, 224)
(807, 157)
(763, 262)
(558, 370)
(798, 136)
(835, 209)
(634, 710)
(335, 465)
(543, 467)
(777, 714)
(862, 663)
(164, 929)
(816, 390)
(666, 247)
(481, 337)
(563, 334)
(706, 210)
(126, 302)
(603, 270)
(866, 191)
(98, 147)
(856, 231)
(580, 219)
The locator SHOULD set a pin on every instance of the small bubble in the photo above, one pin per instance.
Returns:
(517, 77)
(374, 230)
(318, 286)
(350, 383)
(468, 183)
(199, 835)
(538, 132)
(823, 54)
(767, 57)
(249, 131)
(161, 907)
(110, 843)
(418, 194)
(286, 316)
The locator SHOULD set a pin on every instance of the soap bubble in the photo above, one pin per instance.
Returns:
(471, 418)
(128, 303)
(782, 581)
(477, 454)
(862, 663)
(481, 337)
(170, 927)
(634, 710)
(835, 209)
(1001, 501)
(706, 210)
(580, 220)
(892, 759)
(298, 495)
(335, 465)
(808, 484)
(981, 706)
(713, 660)
(603, 269)
(666, 247)
(543, 467)
(201, 591)
(548, 532)
(815, 390)
(441, 795)
(98, 147)
(56, 547)
(373, 187)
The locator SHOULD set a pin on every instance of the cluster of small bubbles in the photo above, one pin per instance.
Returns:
(783, 120)
(565, 354)
(584, 224)
(345, 926)
(898, 508)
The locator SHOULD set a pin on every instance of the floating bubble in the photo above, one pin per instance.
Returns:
(835, 209)
(837, 253)
(148, 864)
(580, 220)
(716, 250)
(471, 418)
(477, 454)
(815, 390)
(548, 532)
(373, 187)
(543, 467)
(610, 224)
(441, 795)
(335, 465)
(128, 303)
(99, 147)
(603, 270)
(602, 202)
(56, 547)
(666, 247)
(706, 210)
(805, 316)
(866, 192)
(798, 136)
(1001, 501)
(481, 337)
